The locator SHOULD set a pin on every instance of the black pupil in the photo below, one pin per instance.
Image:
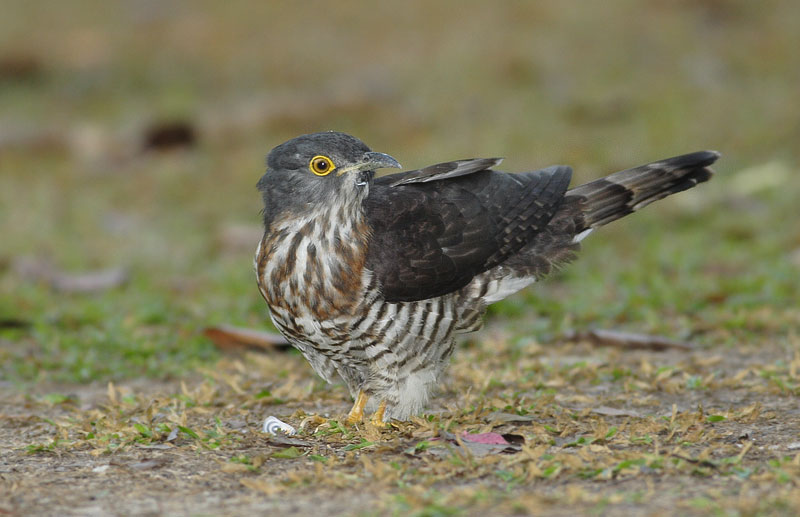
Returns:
(322, 165)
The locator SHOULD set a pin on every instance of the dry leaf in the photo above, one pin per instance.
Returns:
(227, 337)
(164, 136)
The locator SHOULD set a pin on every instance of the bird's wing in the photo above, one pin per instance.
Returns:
(445, 170)
(429, 239)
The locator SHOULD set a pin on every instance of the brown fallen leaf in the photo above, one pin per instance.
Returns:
(164, 136)
(628, 340)
(228, 337)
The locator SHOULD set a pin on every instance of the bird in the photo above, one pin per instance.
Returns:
(373, 278)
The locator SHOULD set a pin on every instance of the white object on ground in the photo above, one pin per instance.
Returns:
(274, 426)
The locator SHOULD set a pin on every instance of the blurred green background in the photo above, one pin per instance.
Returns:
(132, 134)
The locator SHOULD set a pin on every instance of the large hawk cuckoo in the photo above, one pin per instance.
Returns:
(372, 278)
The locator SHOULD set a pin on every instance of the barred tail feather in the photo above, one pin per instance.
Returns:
(607, 199)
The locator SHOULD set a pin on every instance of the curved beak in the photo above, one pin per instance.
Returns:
(371, 161)
(380, 161)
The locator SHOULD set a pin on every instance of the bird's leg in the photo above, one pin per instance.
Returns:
(377, 417)
(356, 413)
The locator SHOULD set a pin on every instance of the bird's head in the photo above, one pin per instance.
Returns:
(319, 168)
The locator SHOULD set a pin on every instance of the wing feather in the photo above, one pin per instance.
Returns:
(433, 233)
(445, 170)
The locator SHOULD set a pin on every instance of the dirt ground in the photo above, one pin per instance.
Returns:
(595, 430)
(132, 135)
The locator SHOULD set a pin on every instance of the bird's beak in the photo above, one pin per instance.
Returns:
(370, 162)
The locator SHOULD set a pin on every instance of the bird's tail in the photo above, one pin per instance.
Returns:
(607, 199)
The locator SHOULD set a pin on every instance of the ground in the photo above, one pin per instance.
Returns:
(131, 139)
(643, 432)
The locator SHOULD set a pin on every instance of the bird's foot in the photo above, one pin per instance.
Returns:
(356, 414)
(377, 417)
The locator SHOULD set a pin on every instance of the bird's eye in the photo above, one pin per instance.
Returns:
(321, 165)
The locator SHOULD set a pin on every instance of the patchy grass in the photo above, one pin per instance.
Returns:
(712, 431)
(611, 431)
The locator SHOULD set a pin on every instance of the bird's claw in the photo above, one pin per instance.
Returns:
(377, 417)
(356, 413)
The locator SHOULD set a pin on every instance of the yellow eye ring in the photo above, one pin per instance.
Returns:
(321, 165)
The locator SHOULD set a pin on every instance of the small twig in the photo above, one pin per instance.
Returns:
(627, 340)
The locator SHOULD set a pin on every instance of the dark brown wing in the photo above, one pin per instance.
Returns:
(432, 238)
(445, 170)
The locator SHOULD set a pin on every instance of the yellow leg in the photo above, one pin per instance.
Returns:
(356, 413)
(377, 417)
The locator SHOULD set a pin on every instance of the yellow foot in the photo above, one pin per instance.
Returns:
(356, 413)
(377, 417)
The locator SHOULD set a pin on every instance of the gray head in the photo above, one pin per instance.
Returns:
(318, 168)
